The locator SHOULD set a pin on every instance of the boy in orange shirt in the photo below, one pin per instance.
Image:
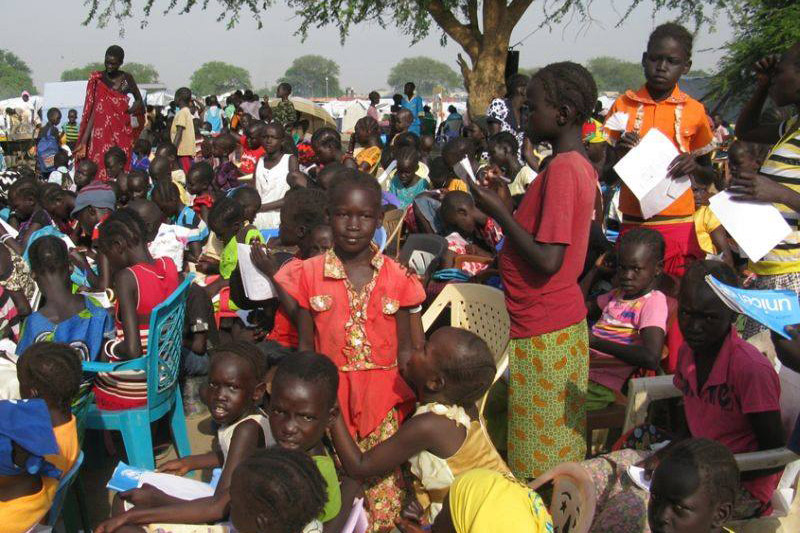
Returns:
(661, 104)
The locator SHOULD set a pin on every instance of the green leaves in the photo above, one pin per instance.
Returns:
(426, 73)
(15, 76)
(141, 73)
(216, 77)
(307, 76)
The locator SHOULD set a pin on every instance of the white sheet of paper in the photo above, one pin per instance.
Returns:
(637, 476)
(9, 229)
(463, 170)
(617, 122)
(663, 195)
(756, 227)
(647, 163)
(385, 174)
(257, 286)
(100, 297)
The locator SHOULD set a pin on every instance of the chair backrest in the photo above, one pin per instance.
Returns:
(61, 492)
(574, 500)
(393, 224)
(435, 245)
(477, 308)
(165, 339)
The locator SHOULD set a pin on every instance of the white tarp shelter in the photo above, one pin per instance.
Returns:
(64, 95)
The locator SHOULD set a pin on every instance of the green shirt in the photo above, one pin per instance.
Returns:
(229, 258)
(328, 471)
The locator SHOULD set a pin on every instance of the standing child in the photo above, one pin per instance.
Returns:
(182, 131)
(72, 129)
(414, 105)
(661, 104)
(234, 391)
(545, 247)
(47, 142)
(452, 372)
(407, 184)
(284, 113)
(630, 332)
(361, 309)
(270, 175)
(213, 115)
(252, 147)
(65, 317)
(140, 283)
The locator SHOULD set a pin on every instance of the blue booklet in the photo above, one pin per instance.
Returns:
(125, 477)
(773, 309)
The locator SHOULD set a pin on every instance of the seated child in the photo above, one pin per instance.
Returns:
(50, 371)
(85, 173)
(140, 156)
(59, 203)
(302, 406)
(198, 184)
(61, 174)
(367, 134)
(503, 153)
(161, 169)
(250, 201)
(455, 151)
(227, 221)
(277, 490)
(473, 232)
(426, 205)
(163, 239)
(486, 500)
(166, 196)
(65, 317)
(407, 184)
(746, 156)
(226, 175)
(138, 184)
(140, 283)
(252, 150)
(327, 146)
(115, 160)
(711, 235)
(630, 332)
(440, 441)
(176, 172)
(235, 388)
(24, 198)
(694, 488)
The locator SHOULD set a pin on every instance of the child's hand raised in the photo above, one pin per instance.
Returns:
(748, 186)
(683, 165)
(765, 68)
(628, 140)
(145, 497)
(263, 260)
(176, 467)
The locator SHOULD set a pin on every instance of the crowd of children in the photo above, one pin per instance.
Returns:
(327, 394)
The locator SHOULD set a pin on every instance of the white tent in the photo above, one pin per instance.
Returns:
(158, 98)
(352, 113)
(65, 95)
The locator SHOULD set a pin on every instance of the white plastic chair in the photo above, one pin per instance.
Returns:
(643, 391)
(574, 500)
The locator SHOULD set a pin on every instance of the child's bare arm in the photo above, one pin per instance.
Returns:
(769, 432)
(350, 490)
(410, 335)
(415, 435)
(647, 355)
(125, 288)
(719, 238)
(180, 467)
(178, 134)
(749, 127)
(305, 329)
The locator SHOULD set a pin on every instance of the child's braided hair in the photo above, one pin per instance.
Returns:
(568, 83)
(474, 372)
(283, 487)
(54, 370)
(714, 463)
(124, 224)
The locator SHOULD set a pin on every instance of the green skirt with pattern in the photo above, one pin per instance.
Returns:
(546, 400)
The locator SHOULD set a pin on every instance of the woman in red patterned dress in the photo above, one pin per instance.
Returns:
(109, 118)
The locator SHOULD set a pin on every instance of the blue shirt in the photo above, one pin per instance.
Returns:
(415, 106)
(213, 116)
(85, 331)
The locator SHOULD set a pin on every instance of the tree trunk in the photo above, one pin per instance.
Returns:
(485, 80)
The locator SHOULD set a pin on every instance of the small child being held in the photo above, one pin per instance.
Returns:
(472, 231)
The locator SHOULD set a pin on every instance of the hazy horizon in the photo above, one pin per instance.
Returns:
(176, 45)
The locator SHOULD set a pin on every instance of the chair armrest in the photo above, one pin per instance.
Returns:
(134, 364)
(641, 392)
(765, 459)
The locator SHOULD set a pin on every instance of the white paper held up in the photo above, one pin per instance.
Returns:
(756, 227)
(385, 174)
(9, 229)
(463, 170)
(647, 163)
(617, 122)
(257, 285)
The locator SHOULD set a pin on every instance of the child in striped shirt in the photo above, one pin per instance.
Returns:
(72, 129)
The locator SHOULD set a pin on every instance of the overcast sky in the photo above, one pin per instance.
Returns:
(49, 36)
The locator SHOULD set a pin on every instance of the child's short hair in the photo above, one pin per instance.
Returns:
(247, 351)
(226, 142)
(406, 140)
(327, 137)
(310, 367)
(695, 276)
(672, 30)
(52, 112)
(167, 149)
(183, 93)
(274, 352)
(453, 200)
(61, 159)
(507, 139)
(115, 153)
(165, 192)
(757, 151)
(48, 254)
(203, 170)
(245, 195)
(349, 179)
(54, 369)
(472, 369)
(715, 465)
(304, 207)
(284, 487)
(646, 237)
(438, 169)
(458, 148)
(286, 86)
(124, 224)
(25, 187)
(568, 83)
(225, 213)
(142, 146)
(87, 167)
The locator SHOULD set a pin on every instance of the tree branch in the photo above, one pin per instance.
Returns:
(515, 11)
(460, 33)
(472, 15)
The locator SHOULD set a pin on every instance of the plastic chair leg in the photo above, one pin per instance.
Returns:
(138, 440)
(178, 424)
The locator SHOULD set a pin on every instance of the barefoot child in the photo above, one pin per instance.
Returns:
(360, 308)
(235, 388)
(440, 441)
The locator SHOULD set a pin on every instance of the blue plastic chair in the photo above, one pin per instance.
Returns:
(61, 492)
(270, 233)
(379, 238)
(162, 363)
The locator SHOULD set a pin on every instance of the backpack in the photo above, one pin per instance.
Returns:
(46, 149)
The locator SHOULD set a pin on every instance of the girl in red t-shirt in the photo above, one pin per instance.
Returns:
(545, 247)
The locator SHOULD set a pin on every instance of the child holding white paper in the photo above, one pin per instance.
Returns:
(661, 104)
(778, 180)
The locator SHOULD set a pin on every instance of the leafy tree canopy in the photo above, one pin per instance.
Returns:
(612, 74)
(141, 73)
(307, 76)
(426, 73)
(15, 75)
(217, 77)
